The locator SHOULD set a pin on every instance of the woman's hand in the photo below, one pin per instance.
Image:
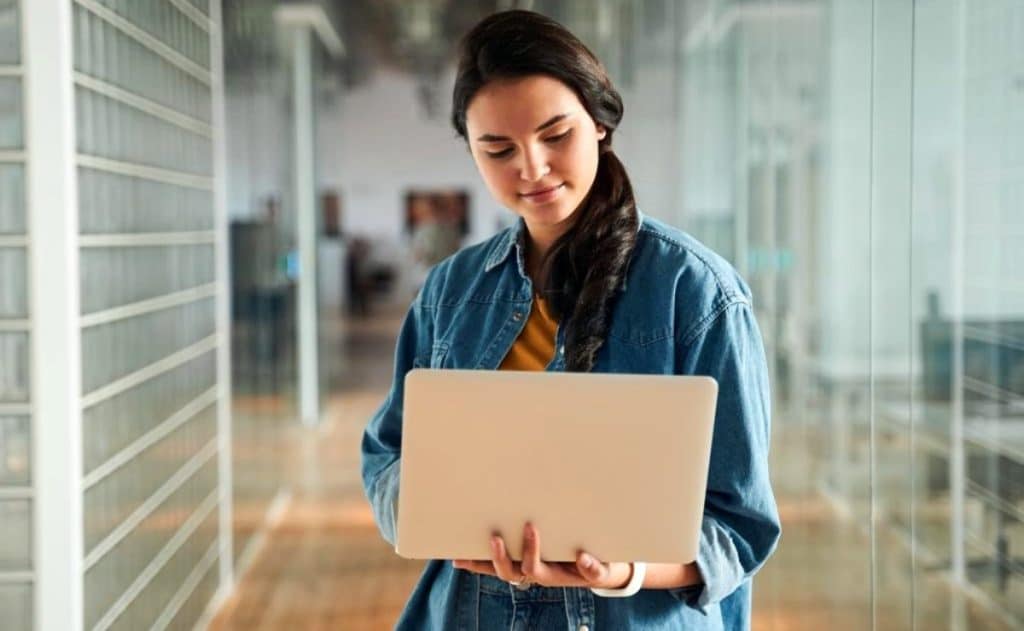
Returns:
(585, 572)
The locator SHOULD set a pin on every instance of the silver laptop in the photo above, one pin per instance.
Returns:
(612, 464)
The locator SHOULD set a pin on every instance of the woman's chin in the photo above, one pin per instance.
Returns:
(546, 216)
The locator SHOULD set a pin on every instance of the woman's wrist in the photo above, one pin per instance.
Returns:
(672, 575)
(632, 586)
(620, 575)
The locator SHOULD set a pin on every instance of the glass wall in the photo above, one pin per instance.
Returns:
(16, 564)
(861, 164)
(263, 282)
(143, 98)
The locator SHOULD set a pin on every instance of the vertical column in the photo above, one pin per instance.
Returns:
(220, 206)
(305, 194)
(56, 350)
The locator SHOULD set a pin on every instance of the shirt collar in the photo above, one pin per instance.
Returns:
(514, 235)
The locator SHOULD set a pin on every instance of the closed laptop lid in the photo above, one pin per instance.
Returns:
(608, 463)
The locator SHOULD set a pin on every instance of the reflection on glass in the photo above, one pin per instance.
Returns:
(16, 605)
(14, 451)
(10, 37)
(14, 373)
(13, 294)
(10, 113)
(12, 199)
(16, 544)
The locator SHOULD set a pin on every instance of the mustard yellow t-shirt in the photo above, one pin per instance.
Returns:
(535, 347)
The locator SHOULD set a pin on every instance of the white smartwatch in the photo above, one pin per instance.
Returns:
(636, 581)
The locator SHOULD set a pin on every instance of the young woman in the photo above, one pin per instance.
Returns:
(583, 283)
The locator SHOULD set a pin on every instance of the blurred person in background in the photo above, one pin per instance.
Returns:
(606, 290)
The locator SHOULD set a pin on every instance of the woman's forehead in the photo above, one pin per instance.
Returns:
(519, 105)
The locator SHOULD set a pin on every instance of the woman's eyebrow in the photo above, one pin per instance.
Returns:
(548, 123)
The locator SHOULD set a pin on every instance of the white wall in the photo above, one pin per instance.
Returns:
(375, 144)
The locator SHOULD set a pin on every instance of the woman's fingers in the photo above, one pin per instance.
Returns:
(587, 571)
(532, 565)
(591, 569)
(503, 567)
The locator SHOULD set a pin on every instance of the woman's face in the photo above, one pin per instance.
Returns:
(536, 148)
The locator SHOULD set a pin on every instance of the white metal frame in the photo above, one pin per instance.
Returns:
(305, 194)
(194, 14)
(225, 477)
(303, 20)
(958, 458)
(151, 305)
(143, 104)
(52, 199)
(156, 174)
(144, 374)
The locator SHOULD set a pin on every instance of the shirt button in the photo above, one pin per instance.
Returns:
(584, 627)
(561, 351)
(517, 316)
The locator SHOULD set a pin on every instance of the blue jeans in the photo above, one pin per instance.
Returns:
(504, 607)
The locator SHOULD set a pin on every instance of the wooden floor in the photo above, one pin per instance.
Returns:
(324, 566)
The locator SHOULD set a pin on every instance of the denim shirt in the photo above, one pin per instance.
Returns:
(682, 310)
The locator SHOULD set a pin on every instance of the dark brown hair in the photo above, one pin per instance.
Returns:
(584, 268)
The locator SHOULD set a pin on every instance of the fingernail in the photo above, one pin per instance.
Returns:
(494, 544)
(586, 560)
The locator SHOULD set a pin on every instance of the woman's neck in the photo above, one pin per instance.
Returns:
(537, 247)
(539, 240)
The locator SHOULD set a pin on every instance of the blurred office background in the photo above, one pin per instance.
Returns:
(213, 215)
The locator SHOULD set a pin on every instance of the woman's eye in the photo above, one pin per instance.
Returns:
(560, 137)
(500, 154)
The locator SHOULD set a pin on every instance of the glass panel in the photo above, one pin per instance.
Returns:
(264, 375)
(106, 581)
(111, 351)
(15, 446)
(195, 606)
(774, 157)
(166, 145)
(10, 33)
(113, 424)
(109, 501)
(154, 601)
(16, 542)
(16, 605)
(112, 277)
(13, 292)
(10, 113)
(12, 199)
(988, 383)
(14, 372)
(110, 203)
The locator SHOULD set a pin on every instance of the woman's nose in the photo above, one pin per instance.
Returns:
(535, 166)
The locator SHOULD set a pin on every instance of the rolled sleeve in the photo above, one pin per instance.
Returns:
(382, 439)
(740, 528)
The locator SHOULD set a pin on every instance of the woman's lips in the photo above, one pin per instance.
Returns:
(543, 196)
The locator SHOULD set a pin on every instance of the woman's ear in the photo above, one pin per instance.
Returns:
(601, 132)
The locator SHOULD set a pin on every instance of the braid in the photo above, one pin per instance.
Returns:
(586, 267)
